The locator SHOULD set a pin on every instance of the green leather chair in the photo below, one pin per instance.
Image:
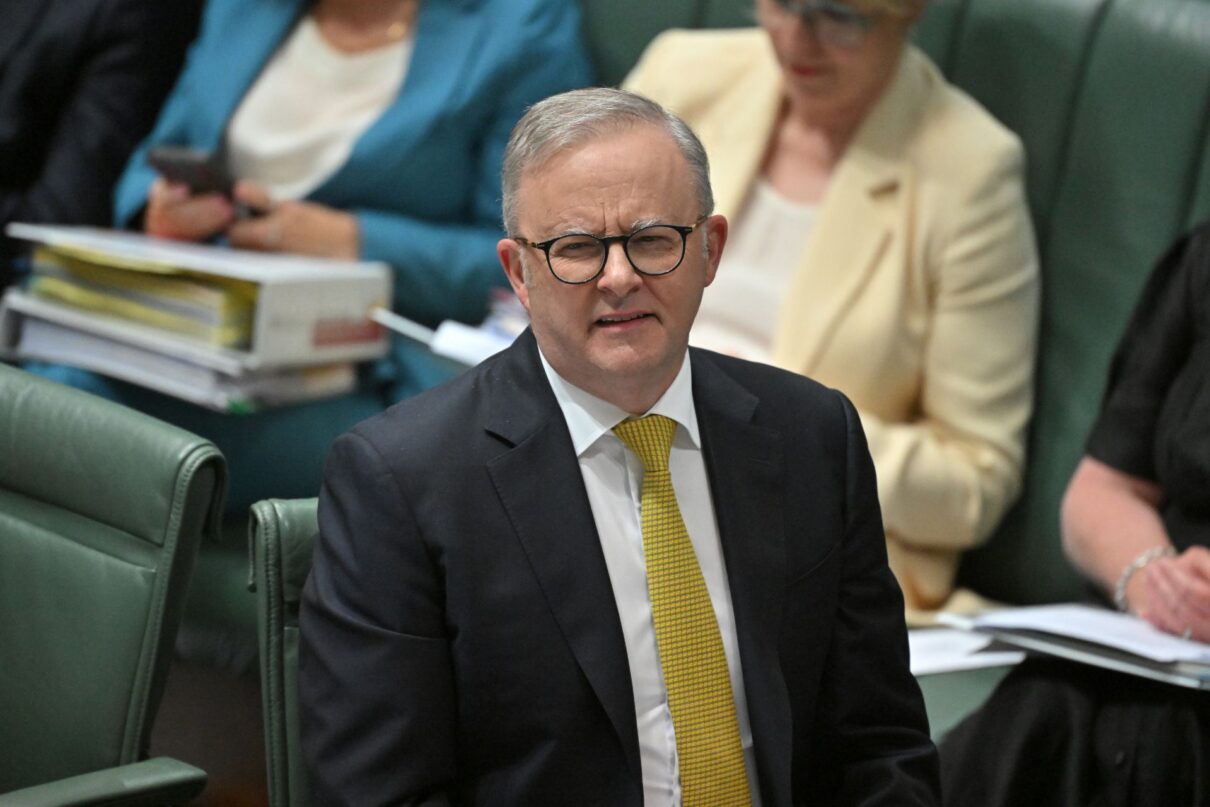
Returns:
(1111, 101)
(282, 534)
(101, 511)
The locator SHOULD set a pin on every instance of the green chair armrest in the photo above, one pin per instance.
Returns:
(152, 782)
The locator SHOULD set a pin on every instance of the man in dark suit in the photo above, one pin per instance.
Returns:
(81, 83)
(601, 568)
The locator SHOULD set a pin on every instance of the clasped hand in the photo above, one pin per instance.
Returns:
(303, 228)
(1174, 593)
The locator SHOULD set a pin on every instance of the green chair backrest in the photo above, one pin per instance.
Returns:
(101, 511)
(617, 31)
(1112, 102)
(281, 537)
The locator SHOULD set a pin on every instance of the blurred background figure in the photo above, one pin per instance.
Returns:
(81, 82)
(1136, 522)
(357, 129)
(880, 243)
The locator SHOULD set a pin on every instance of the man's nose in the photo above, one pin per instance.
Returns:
(619, 276)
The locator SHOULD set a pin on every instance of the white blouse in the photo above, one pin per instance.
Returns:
(299, 122)
(740, 309)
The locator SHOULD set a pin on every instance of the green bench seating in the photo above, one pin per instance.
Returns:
(1112, 101)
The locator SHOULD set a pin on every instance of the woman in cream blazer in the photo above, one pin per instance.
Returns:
(916, 290)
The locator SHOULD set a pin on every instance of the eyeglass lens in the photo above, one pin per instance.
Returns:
(653, 250)
(832, 22)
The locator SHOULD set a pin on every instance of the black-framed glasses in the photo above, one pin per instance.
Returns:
(578, 258)
(833, 22)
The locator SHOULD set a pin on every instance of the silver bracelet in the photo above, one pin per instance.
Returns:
(1136, 565)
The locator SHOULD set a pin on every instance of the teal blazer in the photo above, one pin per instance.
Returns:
(423, 180)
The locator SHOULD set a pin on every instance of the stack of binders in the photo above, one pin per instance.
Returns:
(231, 330)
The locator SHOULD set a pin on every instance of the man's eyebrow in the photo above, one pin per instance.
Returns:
(573, 231)
(635, 226)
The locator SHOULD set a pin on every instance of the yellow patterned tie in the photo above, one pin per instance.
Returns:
(711, 757)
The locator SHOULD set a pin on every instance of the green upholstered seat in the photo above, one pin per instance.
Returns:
(281, 537)
(1027, 76)
(1111, 101)
(101, 511)
(617, 31)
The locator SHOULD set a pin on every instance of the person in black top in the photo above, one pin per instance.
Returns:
(81, 83)
(1136, 522)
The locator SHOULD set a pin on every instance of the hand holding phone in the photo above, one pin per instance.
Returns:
(192, 199)
(195, 168)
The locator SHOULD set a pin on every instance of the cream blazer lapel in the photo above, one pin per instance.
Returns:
(861, 218)
(731, 102)
(739, 132)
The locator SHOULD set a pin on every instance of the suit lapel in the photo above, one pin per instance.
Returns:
(447, 36)
(264, 26)
(860, 219)
(739, 127)
(744, 464)
(845, 245)
(553, 521)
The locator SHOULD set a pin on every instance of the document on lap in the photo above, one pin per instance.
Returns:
(228, 329)
(1096, 636)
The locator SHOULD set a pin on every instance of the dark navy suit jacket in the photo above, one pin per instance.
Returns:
(460, 641)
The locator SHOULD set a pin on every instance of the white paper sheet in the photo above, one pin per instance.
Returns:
(1090, 624)
(175, 255)
(938, 650)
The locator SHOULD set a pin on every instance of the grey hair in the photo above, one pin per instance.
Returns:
(575, 117)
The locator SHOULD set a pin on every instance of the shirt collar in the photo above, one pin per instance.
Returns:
(589, 417)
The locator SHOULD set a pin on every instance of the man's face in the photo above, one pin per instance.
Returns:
(622, 336)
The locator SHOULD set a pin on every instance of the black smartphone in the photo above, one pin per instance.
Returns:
(194, 167)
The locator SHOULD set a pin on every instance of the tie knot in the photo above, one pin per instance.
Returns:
(650, 437)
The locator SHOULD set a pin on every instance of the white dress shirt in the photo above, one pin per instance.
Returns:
(298, 123)
(613, 477)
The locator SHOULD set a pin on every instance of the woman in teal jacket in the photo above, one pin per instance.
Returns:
(421, 183)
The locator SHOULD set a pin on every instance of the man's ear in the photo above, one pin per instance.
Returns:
(716, 228)
(509, 253)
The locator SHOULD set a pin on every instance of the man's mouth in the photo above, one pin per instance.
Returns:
(618, 319)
